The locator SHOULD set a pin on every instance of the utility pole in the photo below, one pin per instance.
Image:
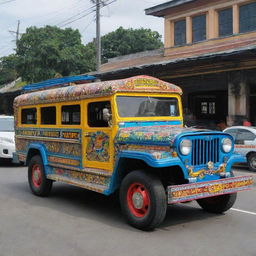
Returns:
(98, 4)
(17, 33)
(98, 39)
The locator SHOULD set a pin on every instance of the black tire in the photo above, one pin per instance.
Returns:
(39, 184)
(217, 204)
(143, 200)
(251, 160)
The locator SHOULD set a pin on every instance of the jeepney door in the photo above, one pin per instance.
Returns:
(97, 135)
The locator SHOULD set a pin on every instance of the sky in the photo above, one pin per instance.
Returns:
(77, 14)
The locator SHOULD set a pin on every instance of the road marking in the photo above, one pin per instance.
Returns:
(239, 210)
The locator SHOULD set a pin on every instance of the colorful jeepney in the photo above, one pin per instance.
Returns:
(127, 136)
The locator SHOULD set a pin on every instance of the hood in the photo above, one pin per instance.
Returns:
(153, 135)
(9, 136)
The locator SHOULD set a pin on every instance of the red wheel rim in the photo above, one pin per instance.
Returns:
(138, 200)
(36, 176)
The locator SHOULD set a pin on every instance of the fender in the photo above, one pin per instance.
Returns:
(148, 159)
(41, 148)
(235, 158)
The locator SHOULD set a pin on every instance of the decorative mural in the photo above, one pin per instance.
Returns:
(83, 176)
(98, 147)
(91, 90)
(154, 135)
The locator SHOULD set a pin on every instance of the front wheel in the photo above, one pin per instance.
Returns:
(143, 200)
(251, 160)
(217, 204)
(39, 184)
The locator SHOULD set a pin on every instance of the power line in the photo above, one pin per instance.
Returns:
(73, 16)
(8, 1)
(88, 24)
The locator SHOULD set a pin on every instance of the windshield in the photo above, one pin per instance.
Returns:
(6, 124)
(143, 106)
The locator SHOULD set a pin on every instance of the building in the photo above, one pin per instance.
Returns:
(210, 51)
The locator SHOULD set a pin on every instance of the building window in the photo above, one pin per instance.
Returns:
(28, 116)
(180, 32)
(70, 115)
(199, 28)
(226, 22)
(48, 115)
(97, 112)
(247, 17)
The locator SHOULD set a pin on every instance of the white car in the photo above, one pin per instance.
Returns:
(245, 143)
(7, 144)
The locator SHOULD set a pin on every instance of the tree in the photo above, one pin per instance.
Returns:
(8, 69)
(122, 42)
(127, 41)
(44, 52)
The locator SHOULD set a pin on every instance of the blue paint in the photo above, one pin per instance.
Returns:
(57, 82)
(148, 123)
(41, 148)
(148, 159)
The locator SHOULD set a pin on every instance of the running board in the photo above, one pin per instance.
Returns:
(94, 182)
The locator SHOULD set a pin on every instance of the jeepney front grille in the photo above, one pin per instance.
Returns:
(205, 150)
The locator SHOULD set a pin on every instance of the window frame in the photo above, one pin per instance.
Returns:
(71, 104)
(179, 20)
(218, 21)
(20, 116)
(103, 99)
(239, 15)
(205, 14)
(56, 113)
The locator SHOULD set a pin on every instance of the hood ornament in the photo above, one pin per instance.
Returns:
(210, 165)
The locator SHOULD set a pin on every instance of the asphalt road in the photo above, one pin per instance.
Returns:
(73, 221)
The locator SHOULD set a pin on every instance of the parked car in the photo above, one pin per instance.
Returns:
(245, 143)
(7, 144)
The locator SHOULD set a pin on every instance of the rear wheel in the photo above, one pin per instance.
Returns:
(143, 200)
(217, 204)
(251, 160)
(39, 184)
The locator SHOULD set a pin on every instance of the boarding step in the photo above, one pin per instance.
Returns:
(80, 183)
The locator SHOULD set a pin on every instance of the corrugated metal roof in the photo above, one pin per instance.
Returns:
(158, 9)
(230, 52)
(57, 82)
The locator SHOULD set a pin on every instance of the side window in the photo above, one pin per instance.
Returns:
(97, 113)
(243, 135)
(247, 17)
(232, 132)
(48, 115)
(199, 28)
(225, 22)
(180, 32)
(70, 114)
(28, 116)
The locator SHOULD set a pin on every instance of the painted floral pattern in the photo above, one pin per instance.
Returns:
(98, 147)
(98, 89)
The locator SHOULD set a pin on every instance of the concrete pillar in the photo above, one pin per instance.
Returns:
(238, 99)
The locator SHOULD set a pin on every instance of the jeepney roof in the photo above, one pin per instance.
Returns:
(97, 89)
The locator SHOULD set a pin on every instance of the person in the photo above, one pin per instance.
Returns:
(246, 122)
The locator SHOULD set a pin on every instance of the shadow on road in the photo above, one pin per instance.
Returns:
(82, 203)
(7, 163)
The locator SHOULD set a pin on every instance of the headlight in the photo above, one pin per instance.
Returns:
(227, 145)
(185, 147)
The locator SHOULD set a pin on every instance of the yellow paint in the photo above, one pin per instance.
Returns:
(110, 131)
(151, 118)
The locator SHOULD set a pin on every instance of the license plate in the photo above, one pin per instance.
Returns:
(188, 192)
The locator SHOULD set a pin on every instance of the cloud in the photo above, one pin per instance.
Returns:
(125, 13)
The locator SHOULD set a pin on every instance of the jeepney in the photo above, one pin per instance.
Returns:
(127, 136)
